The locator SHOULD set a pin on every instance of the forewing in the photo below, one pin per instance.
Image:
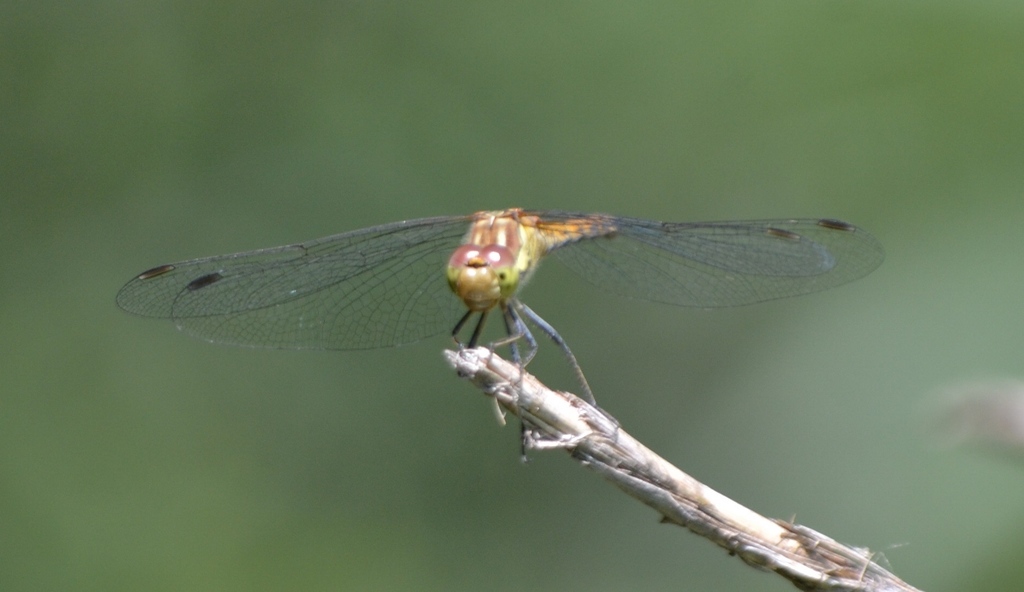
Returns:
(716, 264)
(369, 288)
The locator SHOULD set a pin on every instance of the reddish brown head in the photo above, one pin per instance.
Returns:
(482, 277)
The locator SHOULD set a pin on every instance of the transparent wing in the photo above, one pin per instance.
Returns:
(715, 264)
(370, 288)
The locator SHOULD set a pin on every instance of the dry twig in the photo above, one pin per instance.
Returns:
(554, 419)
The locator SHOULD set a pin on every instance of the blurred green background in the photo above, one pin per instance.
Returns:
(133, 134)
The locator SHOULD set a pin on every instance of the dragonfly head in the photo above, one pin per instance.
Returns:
(483, 276)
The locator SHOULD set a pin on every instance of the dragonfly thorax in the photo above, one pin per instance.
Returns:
(482, 277)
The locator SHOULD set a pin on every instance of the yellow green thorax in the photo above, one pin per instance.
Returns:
(502, 249)
(514, 231)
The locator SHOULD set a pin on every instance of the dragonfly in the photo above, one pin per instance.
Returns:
(401, 282)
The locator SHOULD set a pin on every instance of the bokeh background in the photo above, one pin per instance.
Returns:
(133, 134)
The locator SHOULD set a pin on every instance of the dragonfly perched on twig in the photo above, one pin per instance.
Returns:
(393, 284)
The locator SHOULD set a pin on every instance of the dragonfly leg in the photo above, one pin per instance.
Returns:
(460, 325)
(475, 337)
(517, 330)
(548, 330)
(512, 339)
(479, 329)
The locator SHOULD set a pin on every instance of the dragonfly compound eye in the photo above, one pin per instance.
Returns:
(503, 263)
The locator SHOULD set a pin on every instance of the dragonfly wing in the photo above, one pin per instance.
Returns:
(717, 264)
(365, 289)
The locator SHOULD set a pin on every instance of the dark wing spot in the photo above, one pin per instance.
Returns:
(156, 271)
(784, 234)
(836, 225)
(204, 280)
